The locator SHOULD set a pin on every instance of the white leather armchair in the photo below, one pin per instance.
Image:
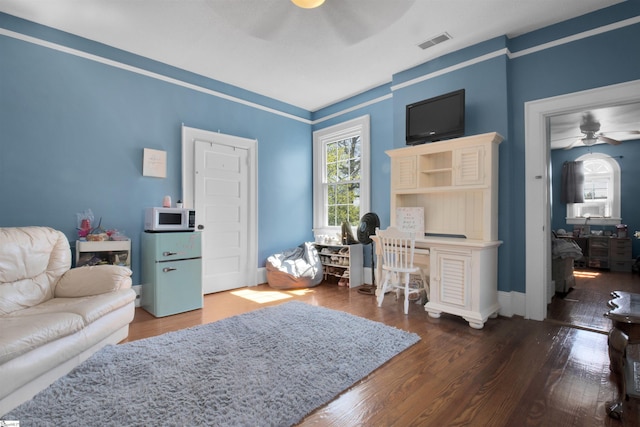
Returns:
(53, 317)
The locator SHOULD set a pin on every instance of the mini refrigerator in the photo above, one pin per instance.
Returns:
(171, 272)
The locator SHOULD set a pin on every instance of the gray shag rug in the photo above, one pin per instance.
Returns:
(269, 367)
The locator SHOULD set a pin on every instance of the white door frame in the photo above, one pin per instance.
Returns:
(537, 183)
(189, 136)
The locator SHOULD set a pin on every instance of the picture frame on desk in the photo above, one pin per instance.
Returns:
(410, 220)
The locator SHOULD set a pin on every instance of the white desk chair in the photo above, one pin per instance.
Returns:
(397, 249)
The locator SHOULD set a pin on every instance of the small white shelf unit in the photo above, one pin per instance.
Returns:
(342, 261)
(116, 252)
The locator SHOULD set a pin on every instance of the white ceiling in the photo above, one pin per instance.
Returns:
(620, 122)
(308, 58)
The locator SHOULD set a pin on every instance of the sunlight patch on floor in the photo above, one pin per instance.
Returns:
(301, 292)
(261, 297)
(586, 274)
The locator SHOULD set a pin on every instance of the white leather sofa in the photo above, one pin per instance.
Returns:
(52, 317)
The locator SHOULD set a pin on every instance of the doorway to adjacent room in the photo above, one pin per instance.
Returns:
(537, 181)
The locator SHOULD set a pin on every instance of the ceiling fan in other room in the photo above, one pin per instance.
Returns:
(590, 128)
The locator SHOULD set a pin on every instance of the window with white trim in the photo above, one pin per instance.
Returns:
(341, 175)
(601, 192)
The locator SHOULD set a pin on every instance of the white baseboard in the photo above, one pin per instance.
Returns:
(261, 275)
(512, 304)
(138, 290)
(368, 276)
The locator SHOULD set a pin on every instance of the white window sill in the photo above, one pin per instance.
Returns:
(594, 221)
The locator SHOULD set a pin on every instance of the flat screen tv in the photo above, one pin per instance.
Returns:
(435, 119)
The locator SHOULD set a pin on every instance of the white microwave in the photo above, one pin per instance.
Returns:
(169, 219)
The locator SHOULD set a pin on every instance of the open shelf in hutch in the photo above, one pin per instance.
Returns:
(436, 169)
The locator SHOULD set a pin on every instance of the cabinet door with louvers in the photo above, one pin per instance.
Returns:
(469, 166)
(403, 173)
(452, 278)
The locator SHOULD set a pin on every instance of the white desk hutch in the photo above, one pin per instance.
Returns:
(456, 182)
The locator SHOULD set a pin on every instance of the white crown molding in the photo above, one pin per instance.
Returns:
(524, 52)
(452, 68)
(575, 37)
(143, 72)
(473, 61)
(354, 108)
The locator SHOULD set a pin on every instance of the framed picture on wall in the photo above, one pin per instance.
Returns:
(154, 163)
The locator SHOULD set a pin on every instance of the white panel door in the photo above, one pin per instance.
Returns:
(221, 203)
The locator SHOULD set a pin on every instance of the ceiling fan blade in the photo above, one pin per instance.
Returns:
(609, 140)
(352, 24)
(568, 137)
(570, 146)
(628, 132)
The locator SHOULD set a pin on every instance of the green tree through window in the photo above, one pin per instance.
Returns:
(341, 175)
(343, 159)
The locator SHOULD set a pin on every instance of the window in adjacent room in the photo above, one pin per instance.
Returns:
(341, 175)
(601, 192)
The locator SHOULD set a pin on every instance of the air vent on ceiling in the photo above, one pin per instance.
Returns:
(434, 41)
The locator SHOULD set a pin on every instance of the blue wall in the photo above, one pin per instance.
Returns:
(500, 76)
(557, 71)
(73, 129)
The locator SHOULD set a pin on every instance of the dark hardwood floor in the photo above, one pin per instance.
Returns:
(585, 305)
(514, 372)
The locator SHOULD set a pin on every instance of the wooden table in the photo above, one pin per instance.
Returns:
(625, 314)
